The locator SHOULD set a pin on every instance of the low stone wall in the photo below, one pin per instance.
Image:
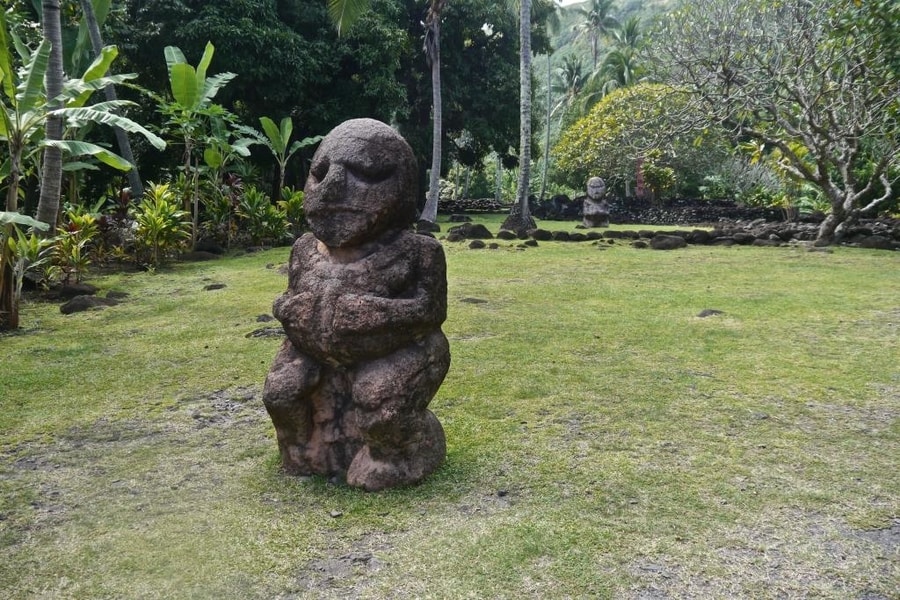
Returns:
(729, 224)
(880, 234)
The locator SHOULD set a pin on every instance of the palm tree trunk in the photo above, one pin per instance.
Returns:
(547, 138)
(51, 178)
(520, 219)
(134, 176)
(433, 52)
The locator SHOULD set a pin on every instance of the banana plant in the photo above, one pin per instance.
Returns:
(277, 140)
(10, 271)
(24, 108)
(191, 110)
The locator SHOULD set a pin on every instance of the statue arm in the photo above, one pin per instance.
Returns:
(424, 307)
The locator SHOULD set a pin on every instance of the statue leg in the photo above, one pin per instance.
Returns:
(403, 441)
(287, 395)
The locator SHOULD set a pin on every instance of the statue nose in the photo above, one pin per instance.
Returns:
(334, 184)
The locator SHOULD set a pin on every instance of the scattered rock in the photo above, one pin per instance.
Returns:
(83, 303)
(477, 245)
(709, 312)
(424, 226)
(667, 242)
(542, 235)
(71, 290)
(266, 332)
(473, 301)
(214, 286)
(471, 231)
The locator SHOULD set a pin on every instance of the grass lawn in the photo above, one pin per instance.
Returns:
(604, 441)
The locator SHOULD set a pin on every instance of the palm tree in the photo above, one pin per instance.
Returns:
(519, 218)
(621, 67)
(345, 12)
(597, 22)
(570, 79)
(432, 47)
(51, 179)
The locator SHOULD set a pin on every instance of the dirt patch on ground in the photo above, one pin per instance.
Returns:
(793, 555)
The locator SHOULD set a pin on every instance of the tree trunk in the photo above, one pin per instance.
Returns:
(519, 218)
(134, 176)
(12, 193)
(9, 303)
(546, 165)
(51, 178)
(498, 181)
(433, 52)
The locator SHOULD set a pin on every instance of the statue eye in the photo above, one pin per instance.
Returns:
(319, 170)
(372, 173)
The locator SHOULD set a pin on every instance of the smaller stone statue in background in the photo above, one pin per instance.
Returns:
(596, 208)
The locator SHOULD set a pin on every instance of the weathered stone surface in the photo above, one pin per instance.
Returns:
(471, 231)
(349, 389)
(877, 242)
(542, 235)
(72, 290)
(83, 303)
(595, 210)
(667, 242)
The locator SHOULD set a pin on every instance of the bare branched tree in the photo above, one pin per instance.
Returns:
(810, 79)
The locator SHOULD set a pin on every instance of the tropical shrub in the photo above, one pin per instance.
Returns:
(260, 219)
(291, 204)
(11, 271)
(625, 127)
(161, 227)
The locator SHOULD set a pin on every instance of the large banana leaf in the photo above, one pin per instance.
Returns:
(213, 84)
(31, 89)
(73, 89)
(203, 65)
(7, 77)
(78, 148)
(183, 82)
(14, 218)
(114, 120)
(97, 70)
(278, 137)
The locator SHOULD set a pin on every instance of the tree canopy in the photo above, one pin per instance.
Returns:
(816, 81)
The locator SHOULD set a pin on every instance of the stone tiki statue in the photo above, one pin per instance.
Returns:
(349, 389)
(596, 208)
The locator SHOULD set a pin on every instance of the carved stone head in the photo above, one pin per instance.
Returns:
(596, 187)
(361, 184)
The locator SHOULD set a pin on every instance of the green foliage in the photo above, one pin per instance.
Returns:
(659, 178)
(219, 205)
(277, 140)
(291, 205)
(30, 252)
(15, 252)
(25, 109)
(626, 125)
(161, 227)
(260, 219)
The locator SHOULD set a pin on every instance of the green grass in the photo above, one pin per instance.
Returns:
(603, 440)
